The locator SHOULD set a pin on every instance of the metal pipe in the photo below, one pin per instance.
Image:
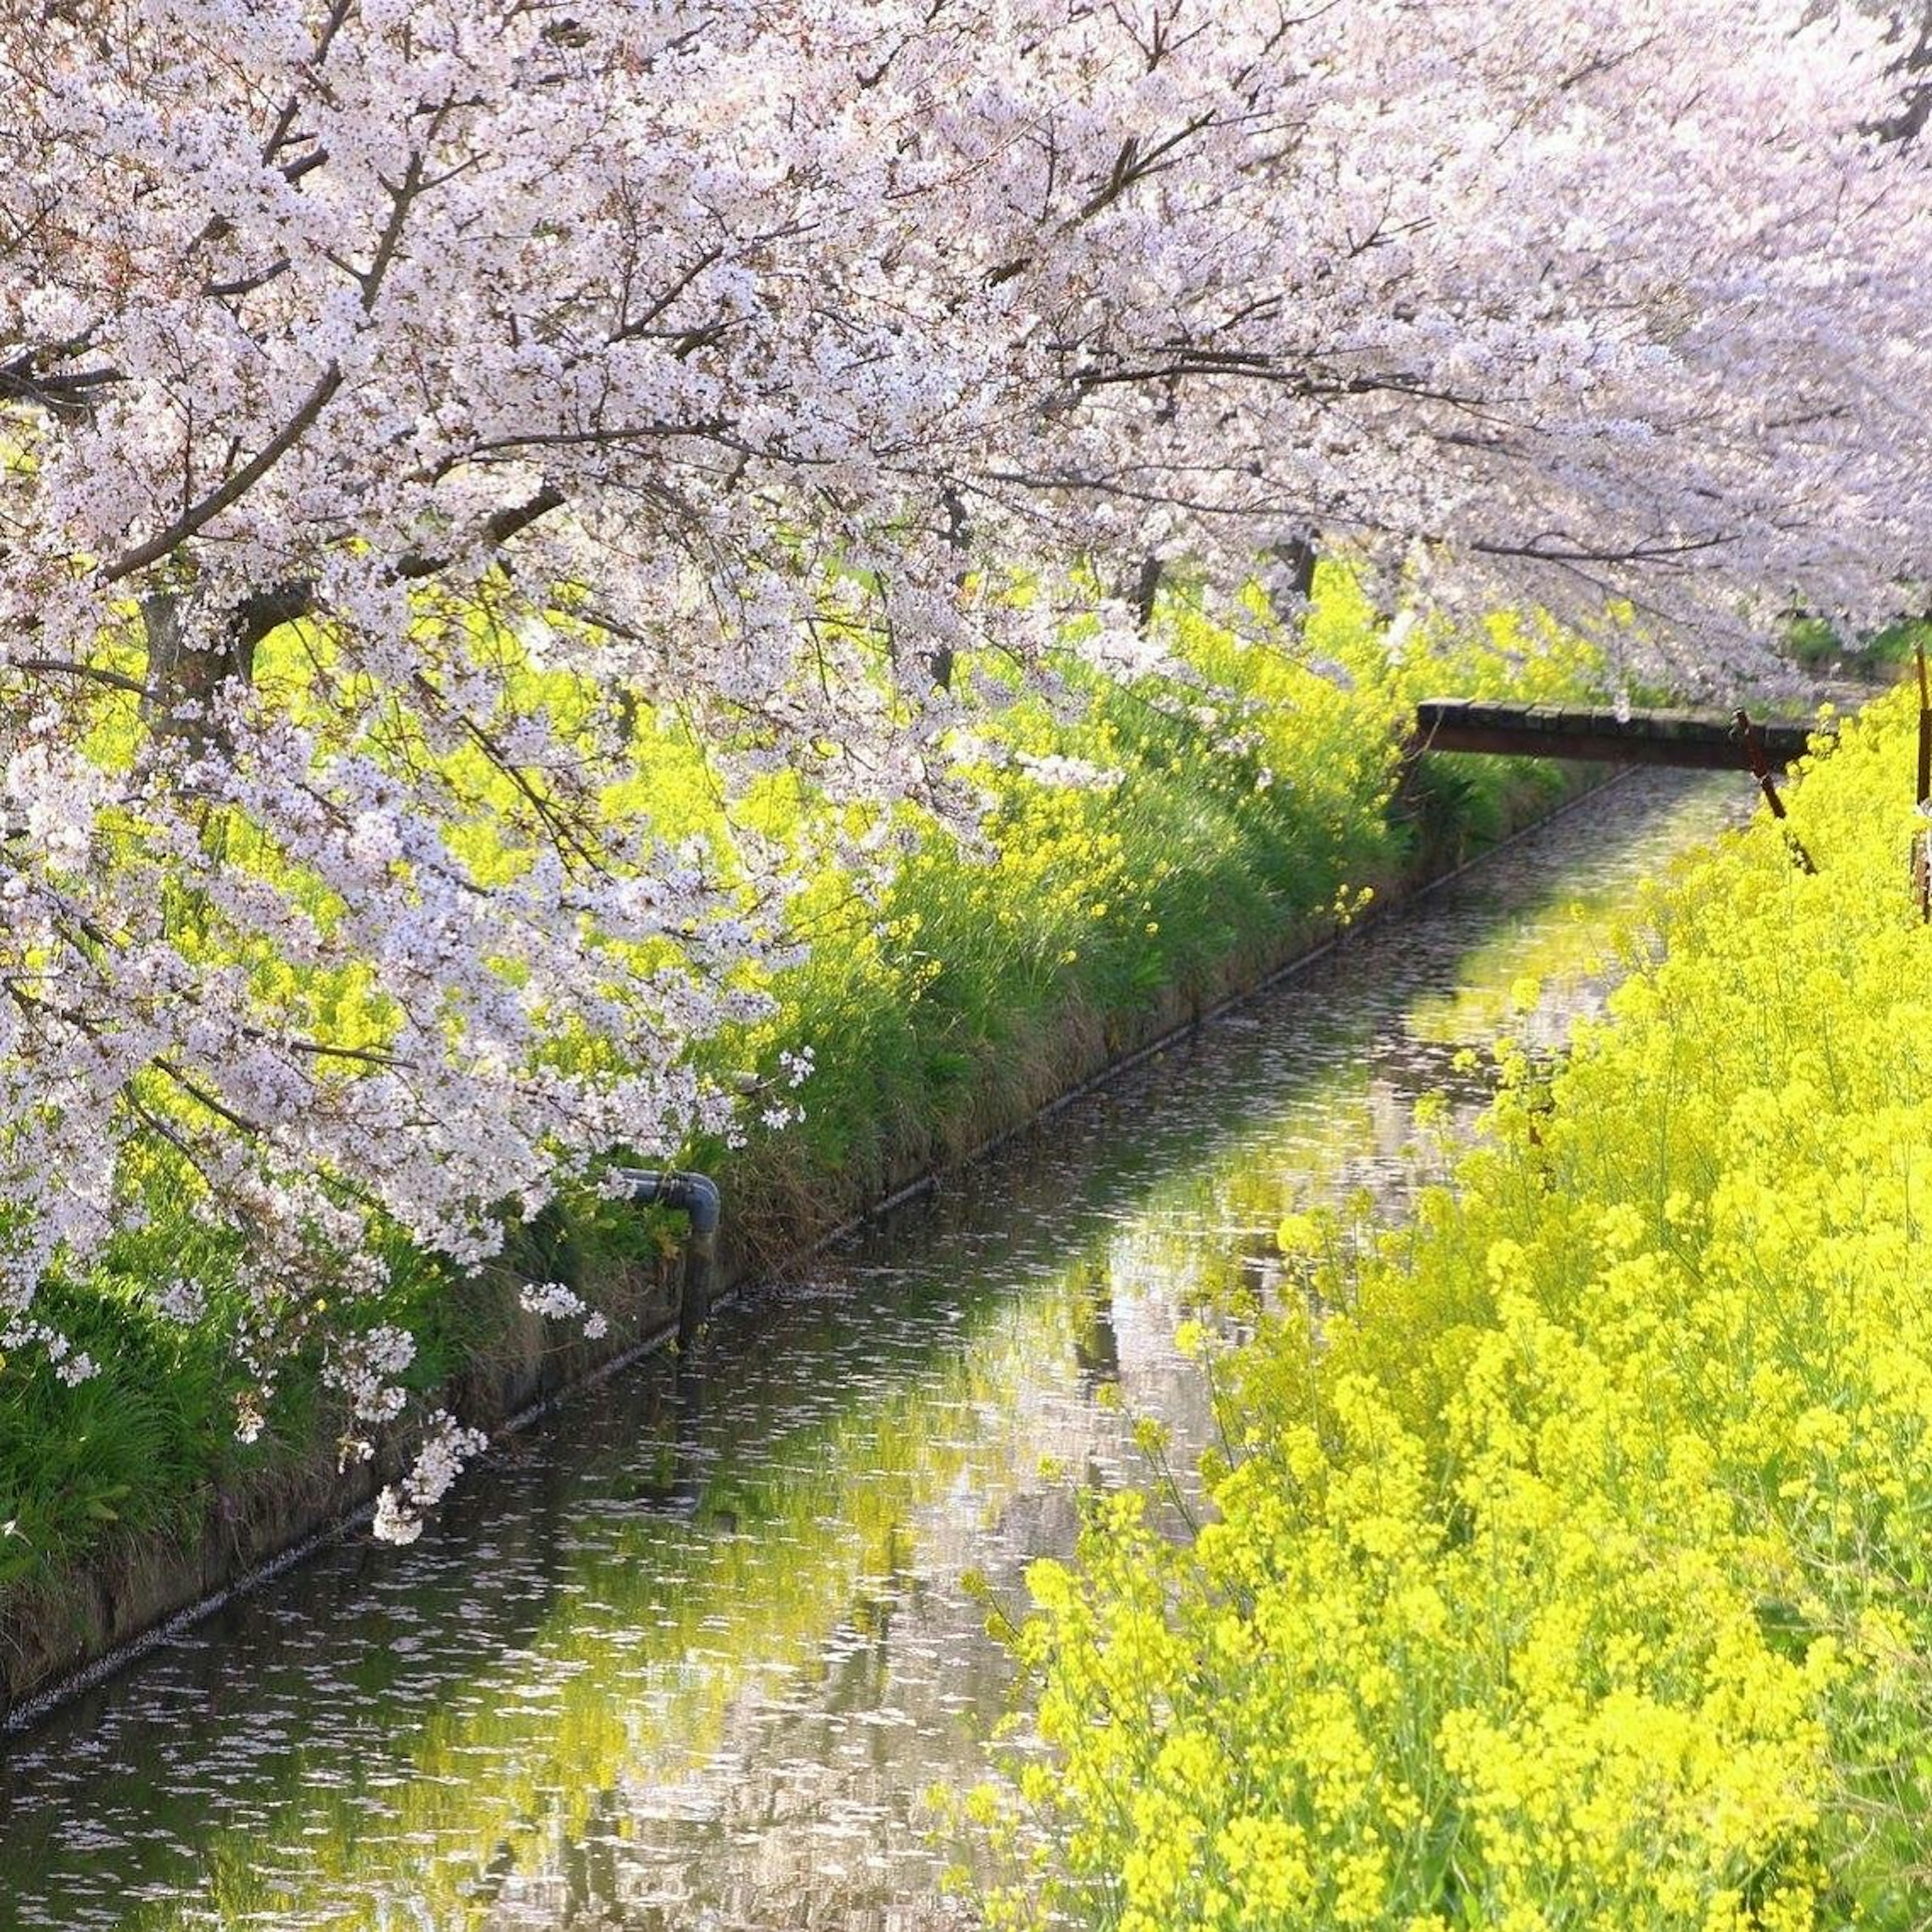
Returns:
(695, 1194)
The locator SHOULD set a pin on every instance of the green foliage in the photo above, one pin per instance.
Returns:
(1818, 645)
(1255, 801)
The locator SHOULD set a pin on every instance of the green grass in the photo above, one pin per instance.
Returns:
(1817, 645)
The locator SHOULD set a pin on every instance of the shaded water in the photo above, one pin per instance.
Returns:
(691, 1657)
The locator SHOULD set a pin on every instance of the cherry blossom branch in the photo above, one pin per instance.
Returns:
(199, 515)
(115, 680)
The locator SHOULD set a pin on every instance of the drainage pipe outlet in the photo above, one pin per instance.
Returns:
(695, 1194)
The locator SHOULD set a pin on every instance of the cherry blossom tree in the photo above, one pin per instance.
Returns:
(371, 371)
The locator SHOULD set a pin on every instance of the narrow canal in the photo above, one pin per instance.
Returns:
(691, 1659)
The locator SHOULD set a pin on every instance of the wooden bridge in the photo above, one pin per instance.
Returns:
(1705, 740)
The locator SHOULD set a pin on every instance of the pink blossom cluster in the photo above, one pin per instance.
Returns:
(733, 357)
(445, 1447)
(559, 1303)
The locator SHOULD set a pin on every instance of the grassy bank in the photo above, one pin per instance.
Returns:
(1147, 846)
(1568, 1565)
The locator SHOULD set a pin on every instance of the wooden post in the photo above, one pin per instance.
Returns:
(1922, 843)
(1761, 770)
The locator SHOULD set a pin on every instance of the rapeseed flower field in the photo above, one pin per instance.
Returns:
(1570, 1561)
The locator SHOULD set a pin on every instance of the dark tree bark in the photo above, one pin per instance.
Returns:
(1291, 583)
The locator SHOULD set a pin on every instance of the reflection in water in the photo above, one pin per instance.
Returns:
(689, 1659)
(683, 1494)
(1097, 1348)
